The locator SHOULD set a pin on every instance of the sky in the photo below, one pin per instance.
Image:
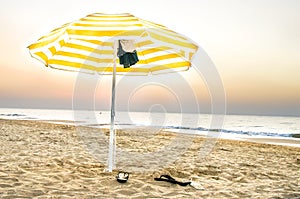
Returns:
(254, 45)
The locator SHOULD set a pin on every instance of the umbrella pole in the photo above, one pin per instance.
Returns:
(112, 141)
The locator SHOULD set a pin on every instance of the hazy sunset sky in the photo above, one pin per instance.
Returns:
(255, 46)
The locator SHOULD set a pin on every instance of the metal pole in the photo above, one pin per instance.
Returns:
(112, 147)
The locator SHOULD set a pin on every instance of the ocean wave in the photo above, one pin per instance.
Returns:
(239, 132)
(13, 115)
(250, 133)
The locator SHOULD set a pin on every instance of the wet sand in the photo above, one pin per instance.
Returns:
(44, 160)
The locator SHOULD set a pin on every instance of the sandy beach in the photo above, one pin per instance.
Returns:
(45, 160)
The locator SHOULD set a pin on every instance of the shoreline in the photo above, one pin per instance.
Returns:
(244, 131)
(284, 141)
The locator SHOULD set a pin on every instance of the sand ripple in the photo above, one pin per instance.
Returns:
(43, 160)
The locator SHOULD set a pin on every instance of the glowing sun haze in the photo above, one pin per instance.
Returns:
(255, 46)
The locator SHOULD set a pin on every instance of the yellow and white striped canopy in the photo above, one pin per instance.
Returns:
(88, 45)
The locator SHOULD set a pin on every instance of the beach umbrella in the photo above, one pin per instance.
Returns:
(92, 43)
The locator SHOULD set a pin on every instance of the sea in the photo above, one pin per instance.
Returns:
(282, 130)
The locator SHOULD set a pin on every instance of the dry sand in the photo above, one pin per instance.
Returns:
(44, 160)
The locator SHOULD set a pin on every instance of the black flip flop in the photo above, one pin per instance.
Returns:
(168, 178)
(122, 177)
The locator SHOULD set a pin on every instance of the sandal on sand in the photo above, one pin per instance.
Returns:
(122, 177)
(192, 183)
(168, 178)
